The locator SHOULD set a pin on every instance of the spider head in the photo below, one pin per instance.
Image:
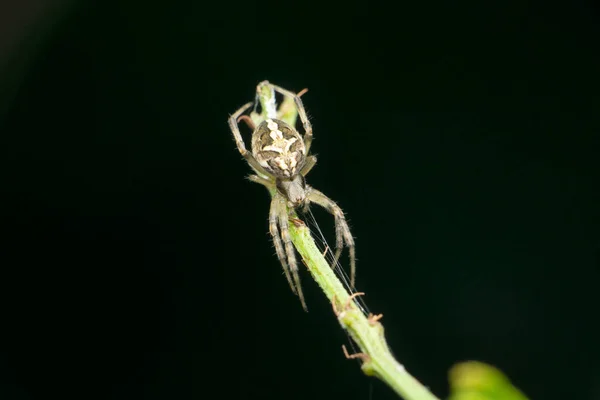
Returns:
(294, 190)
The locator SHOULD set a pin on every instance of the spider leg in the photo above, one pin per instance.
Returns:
(308, 135)
(273, 221)
(233, 125)
(282, 213)
(308, 165)
(342, 230)
(259, 179)
(279, 219)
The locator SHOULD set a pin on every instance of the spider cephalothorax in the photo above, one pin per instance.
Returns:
(280, 157)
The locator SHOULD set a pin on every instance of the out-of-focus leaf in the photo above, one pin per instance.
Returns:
(474, 380)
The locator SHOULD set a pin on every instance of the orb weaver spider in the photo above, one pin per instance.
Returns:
(281, 160)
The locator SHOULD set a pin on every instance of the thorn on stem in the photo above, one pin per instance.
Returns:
(364, 357)
(352, 296)
(374, 318)
(334, 302)
(334, 306)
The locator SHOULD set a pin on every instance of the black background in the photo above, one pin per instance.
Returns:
(461, 139)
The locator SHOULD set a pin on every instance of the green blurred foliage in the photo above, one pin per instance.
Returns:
(474, 380)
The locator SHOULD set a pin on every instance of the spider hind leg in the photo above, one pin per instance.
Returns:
(342, 230)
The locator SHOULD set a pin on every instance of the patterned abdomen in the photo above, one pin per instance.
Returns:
(278, 147)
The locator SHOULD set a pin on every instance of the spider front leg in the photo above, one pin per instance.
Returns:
(279, 230)
(274, 230)
(263, 181)
(308, 135)
(233, 125)
(284, 224)
(308, 165)
(342, 230)
(279, 219)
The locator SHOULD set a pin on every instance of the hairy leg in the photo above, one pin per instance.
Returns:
(284, 224)
(308, 135)
(233, 125)
(342, 230)
(274, 230)
(310, 163)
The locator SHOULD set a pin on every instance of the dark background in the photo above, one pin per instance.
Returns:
(461, 139)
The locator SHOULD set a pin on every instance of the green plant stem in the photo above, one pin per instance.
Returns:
(367, 333)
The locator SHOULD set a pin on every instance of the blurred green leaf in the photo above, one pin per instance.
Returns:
(474, 380)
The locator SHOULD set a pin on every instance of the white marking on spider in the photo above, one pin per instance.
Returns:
(289, 143)
(293, 162)
(280, 144)
(272, 124)
(276, 134)
(273, 148)
(281, 163)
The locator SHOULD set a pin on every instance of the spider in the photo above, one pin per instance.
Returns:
(280, 158)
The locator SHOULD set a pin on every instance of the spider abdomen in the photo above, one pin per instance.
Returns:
(278, 147)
